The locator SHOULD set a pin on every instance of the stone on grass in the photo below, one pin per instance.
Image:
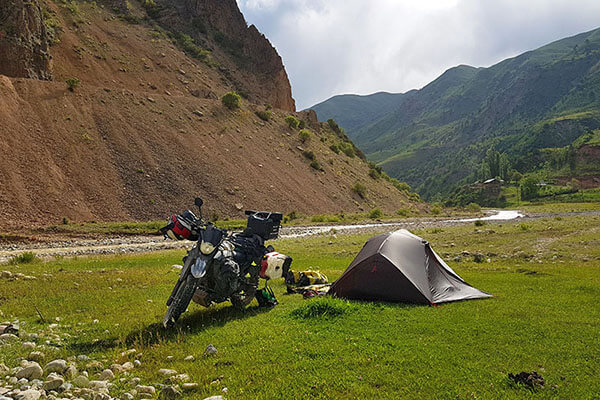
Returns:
(53, 381)
(127, 396)
(167, 372)
(56, 366)
(70, 372)
(210, 350)
(215, 398)
(189, 358)
(170, 392)
(29, 394)
(107, 375)
(8, 337)
(137, 363)
(145, 389)
(99, 385)
(128, 366)
(96, 366)
(190, 386)
(4, 370)
(28, 345)
(36, 356)
(32, 370)
(81, 381)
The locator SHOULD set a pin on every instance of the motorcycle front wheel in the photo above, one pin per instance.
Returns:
(181, 300)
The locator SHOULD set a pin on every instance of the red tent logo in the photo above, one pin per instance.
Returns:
(374, 269)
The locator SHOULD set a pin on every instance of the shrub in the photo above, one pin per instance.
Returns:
(232, 100)
(334, 147)
(302, 124)
(474, 207)
(72, 84)
(292, 121)
(401, 186)
(376, 213)
(347, 149)
(309, 154)
(26, 258)
(403, 212)
(265, 115)
(304, 135)
(436, 210)
(360, 189)
(315, 164)
(293, 215)
(334, 126)
(374, 174)
(186, 42)
(479, 222)
(317, 218)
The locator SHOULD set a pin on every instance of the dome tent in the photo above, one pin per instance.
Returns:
(402, 267)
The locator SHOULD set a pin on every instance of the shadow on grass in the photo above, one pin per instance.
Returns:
(155, 333)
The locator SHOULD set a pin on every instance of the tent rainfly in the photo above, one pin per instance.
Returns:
(402, 267)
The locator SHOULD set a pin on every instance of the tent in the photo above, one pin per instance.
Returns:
(402, 267)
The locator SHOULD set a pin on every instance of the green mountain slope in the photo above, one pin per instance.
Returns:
(436, 137)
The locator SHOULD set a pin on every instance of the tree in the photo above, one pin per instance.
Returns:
(529, 188)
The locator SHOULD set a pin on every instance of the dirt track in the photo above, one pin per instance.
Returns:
(141, 244)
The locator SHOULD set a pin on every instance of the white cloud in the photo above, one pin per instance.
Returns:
(331, 47)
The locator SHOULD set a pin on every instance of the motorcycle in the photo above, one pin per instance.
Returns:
(224, 265)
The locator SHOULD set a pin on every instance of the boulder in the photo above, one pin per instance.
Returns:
(53, 381)
(32, 370)
(141, 389)
(170, 392)
(167, 372)
(107, 375)
(29, 394)
(56, 366)
(81, 381)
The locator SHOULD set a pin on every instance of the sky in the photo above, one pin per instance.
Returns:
(332, 47)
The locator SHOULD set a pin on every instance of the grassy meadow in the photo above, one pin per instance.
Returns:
(545, 275)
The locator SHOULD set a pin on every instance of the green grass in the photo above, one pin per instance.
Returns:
(544, 317)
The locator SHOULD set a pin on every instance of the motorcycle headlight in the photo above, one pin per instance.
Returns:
(207, 248)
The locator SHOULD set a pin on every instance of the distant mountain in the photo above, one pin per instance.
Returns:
(436, 137)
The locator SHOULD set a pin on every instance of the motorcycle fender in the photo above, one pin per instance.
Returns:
(200, 267)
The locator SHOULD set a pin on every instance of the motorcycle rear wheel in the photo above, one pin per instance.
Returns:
(181, 300)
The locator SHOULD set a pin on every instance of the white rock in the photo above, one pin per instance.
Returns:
(36, 356)
(70, 372)
(128, 366)
(146, 389)
(53, 382)
(189, 358)
(8, 337)
(83, 357)
(98, 385)
(127, 396)
(215, 398)
(167, 372)
(137, 363)
(31, 371)
(28, 345)
(28, 395)
(190, 386)
(56, 366)
(107, 375)
(81, 381)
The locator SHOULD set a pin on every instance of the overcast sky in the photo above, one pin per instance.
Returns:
(334, 47)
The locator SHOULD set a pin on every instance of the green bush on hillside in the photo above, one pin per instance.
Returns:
(360, 189)
(376, 213)
(304, 135)
(265, 115)
(232, 100)
(292, 121)
(72, 84)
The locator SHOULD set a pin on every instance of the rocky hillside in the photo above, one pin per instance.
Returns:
(437, 137)
(143, 129)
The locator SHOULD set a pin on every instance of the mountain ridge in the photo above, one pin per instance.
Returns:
(438, 135)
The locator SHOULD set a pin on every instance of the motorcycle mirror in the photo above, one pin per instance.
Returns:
(198, 202)
(270, 249)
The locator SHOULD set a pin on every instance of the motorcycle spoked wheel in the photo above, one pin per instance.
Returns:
(181, 300)
(241, 299)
